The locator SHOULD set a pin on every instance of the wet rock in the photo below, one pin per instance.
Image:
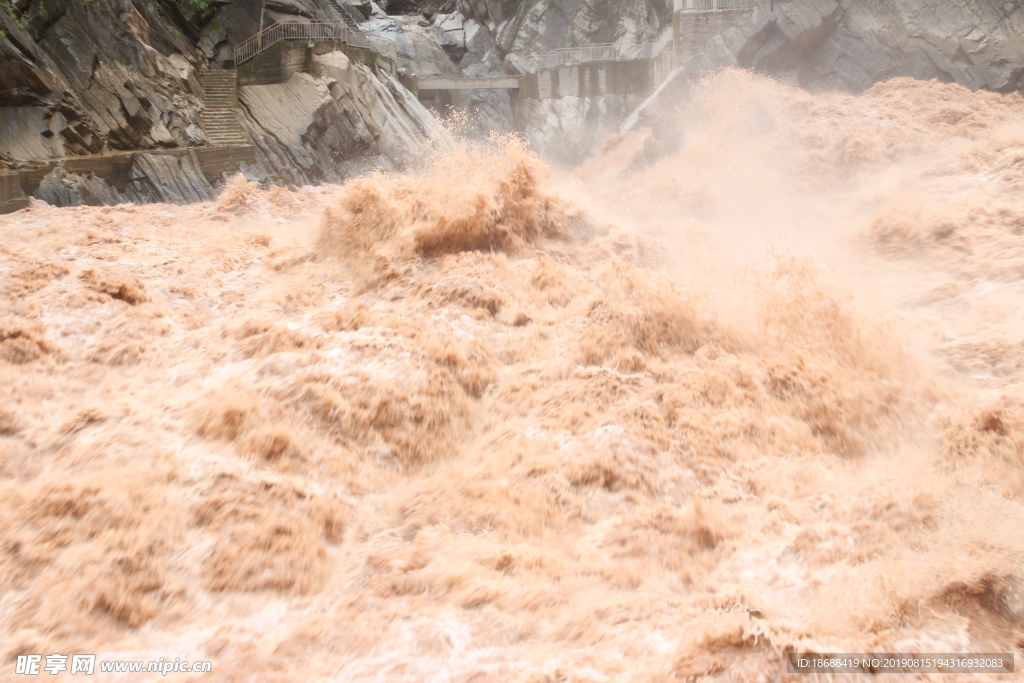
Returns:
(567, 129)
(168, 178)
(346, 117)
(851, 45)
(61, 188)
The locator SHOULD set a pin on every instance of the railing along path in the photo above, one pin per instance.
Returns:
(311, 30)
(716, 5)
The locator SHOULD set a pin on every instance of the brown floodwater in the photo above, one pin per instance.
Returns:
(658, 418)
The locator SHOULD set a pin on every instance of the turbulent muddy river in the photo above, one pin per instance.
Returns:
(672, 414)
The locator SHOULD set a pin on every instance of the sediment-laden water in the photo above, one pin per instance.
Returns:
(673, 414)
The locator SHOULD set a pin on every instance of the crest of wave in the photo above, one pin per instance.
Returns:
(488, 197)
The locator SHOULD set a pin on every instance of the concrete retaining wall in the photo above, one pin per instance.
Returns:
(587, 80)
(11, 196)
(116, 167)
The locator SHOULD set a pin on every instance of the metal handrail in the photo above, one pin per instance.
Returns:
(315, 30)
(600, 52)
(353, 14)
(717, 5)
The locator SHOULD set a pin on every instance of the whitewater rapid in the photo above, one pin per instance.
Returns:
(669, 416)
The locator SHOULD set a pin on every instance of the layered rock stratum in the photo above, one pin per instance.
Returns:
(117, 75)
(114, 75)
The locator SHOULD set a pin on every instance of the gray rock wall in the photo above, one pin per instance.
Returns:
(566, 130)
(105, 76)
(851, 44)
(694, 29)
(344, 118)
(550, 24)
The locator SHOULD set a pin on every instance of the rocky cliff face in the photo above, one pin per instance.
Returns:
(109, 75)
(491, 37)
(78, 78)
(343, 119)
(567, 129)
(551, 24)
(81, 78)
(851, 44)
(455, 43)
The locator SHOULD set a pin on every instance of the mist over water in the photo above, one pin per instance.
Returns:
(672, 415)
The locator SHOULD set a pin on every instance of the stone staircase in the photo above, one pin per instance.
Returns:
(220, 99)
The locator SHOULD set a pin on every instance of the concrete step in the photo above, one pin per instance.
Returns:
(220, 99)
(219, 88)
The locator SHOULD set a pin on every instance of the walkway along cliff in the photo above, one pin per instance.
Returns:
(107, 103)
(124, 101)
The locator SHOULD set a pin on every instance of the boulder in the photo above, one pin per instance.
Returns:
(419, 52)
(167, 178)
(451, 34)
(340, 120)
